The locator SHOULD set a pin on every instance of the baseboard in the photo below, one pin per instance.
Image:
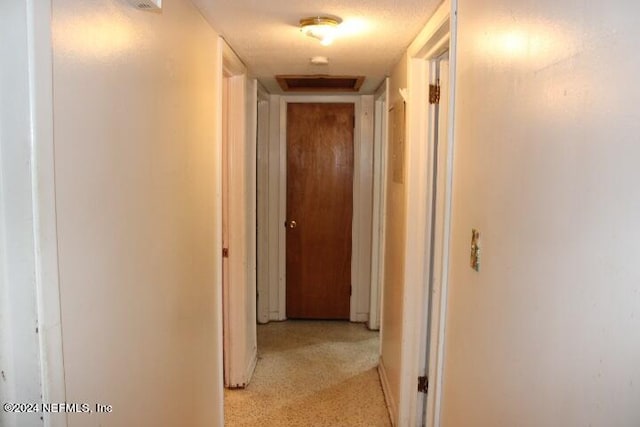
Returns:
(251, 367)
(275, 316)
(360, 318)
(386, 390)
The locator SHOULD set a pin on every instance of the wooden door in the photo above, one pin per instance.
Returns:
(319, 210)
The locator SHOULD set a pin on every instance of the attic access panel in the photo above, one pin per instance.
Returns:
(320, 83)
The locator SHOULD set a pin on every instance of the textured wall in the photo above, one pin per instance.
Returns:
(135, 107)
(546, 167)
(394, 261)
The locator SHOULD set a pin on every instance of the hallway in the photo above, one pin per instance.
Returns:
(311, 373)
(145, 213)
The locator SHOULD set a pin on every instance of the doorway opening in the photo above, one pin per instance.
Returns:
(439, 235)
(432, 62)
(272, 206)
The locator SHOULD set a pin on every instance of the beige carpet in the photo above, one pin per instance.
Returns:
(311, 373)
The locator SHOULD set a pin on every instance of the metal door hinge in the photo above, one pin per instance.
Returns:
(225, 252)
(423, 384)
(434, 93)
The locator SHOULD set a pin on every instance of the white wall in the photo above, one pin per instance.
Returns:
(393, 283)
(135, 107)
(546, 167)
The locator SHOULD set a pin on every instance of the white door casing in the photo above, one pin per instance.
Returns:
(275, 305)
(437, 37)
(262, 202)
(239, 296)
(379, 204)
(441, 198)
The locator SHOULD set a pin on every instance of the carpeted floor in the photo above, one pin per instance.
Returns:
(311, 373)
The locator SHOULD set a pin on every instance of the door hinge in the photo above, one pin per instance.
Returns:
(350, 290)
(423, 384)
(434, 93)
(225, 252)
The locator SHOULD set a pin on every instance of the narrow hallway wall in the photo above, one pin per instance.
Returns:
(546, 168)
(394, 253)
(135, 110)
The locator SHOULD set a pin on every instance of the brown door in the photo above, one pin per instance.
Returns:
(319, 210)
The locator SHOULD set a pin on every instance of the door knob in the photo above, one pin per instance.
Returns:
(291, 224)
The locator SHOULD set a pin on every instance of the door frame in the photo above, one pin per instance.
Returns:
(28, 219)
(438, 35)
(362, 198)
(431, 334)
(262, 203)
(380, 143)
(238, 298)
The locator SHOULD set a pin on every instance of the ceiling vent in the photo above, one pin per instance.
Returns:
(320, 83)
(147, 4)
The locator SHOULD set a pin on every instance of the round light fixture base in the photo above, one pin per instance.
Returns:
(322, 28)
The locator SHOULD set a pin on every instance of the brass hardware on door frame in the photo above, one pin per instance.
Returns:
(290, 224)
(475, 249)
(434, 93)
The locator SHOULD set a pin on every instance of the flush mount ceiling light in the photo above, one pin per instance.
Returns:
(322, 28)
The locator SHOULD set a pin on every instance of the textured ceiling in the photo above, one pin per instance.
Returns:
(265, 34)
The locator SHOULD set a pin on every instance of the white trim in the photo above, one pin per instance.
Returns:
(44, 207)
(419, 152)
(276, 307)
(363, 213)
(217, 220)
(434, 401)
(361, 225)
(431, 126)
(379, 204)
(282, 211)
(248, 157)
(262, 203)
(251, 365)
(28, 225)
(386, 390)
(239, 296)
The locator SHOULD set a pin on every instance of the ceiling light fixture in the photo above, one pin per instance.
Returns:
(322, 28)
